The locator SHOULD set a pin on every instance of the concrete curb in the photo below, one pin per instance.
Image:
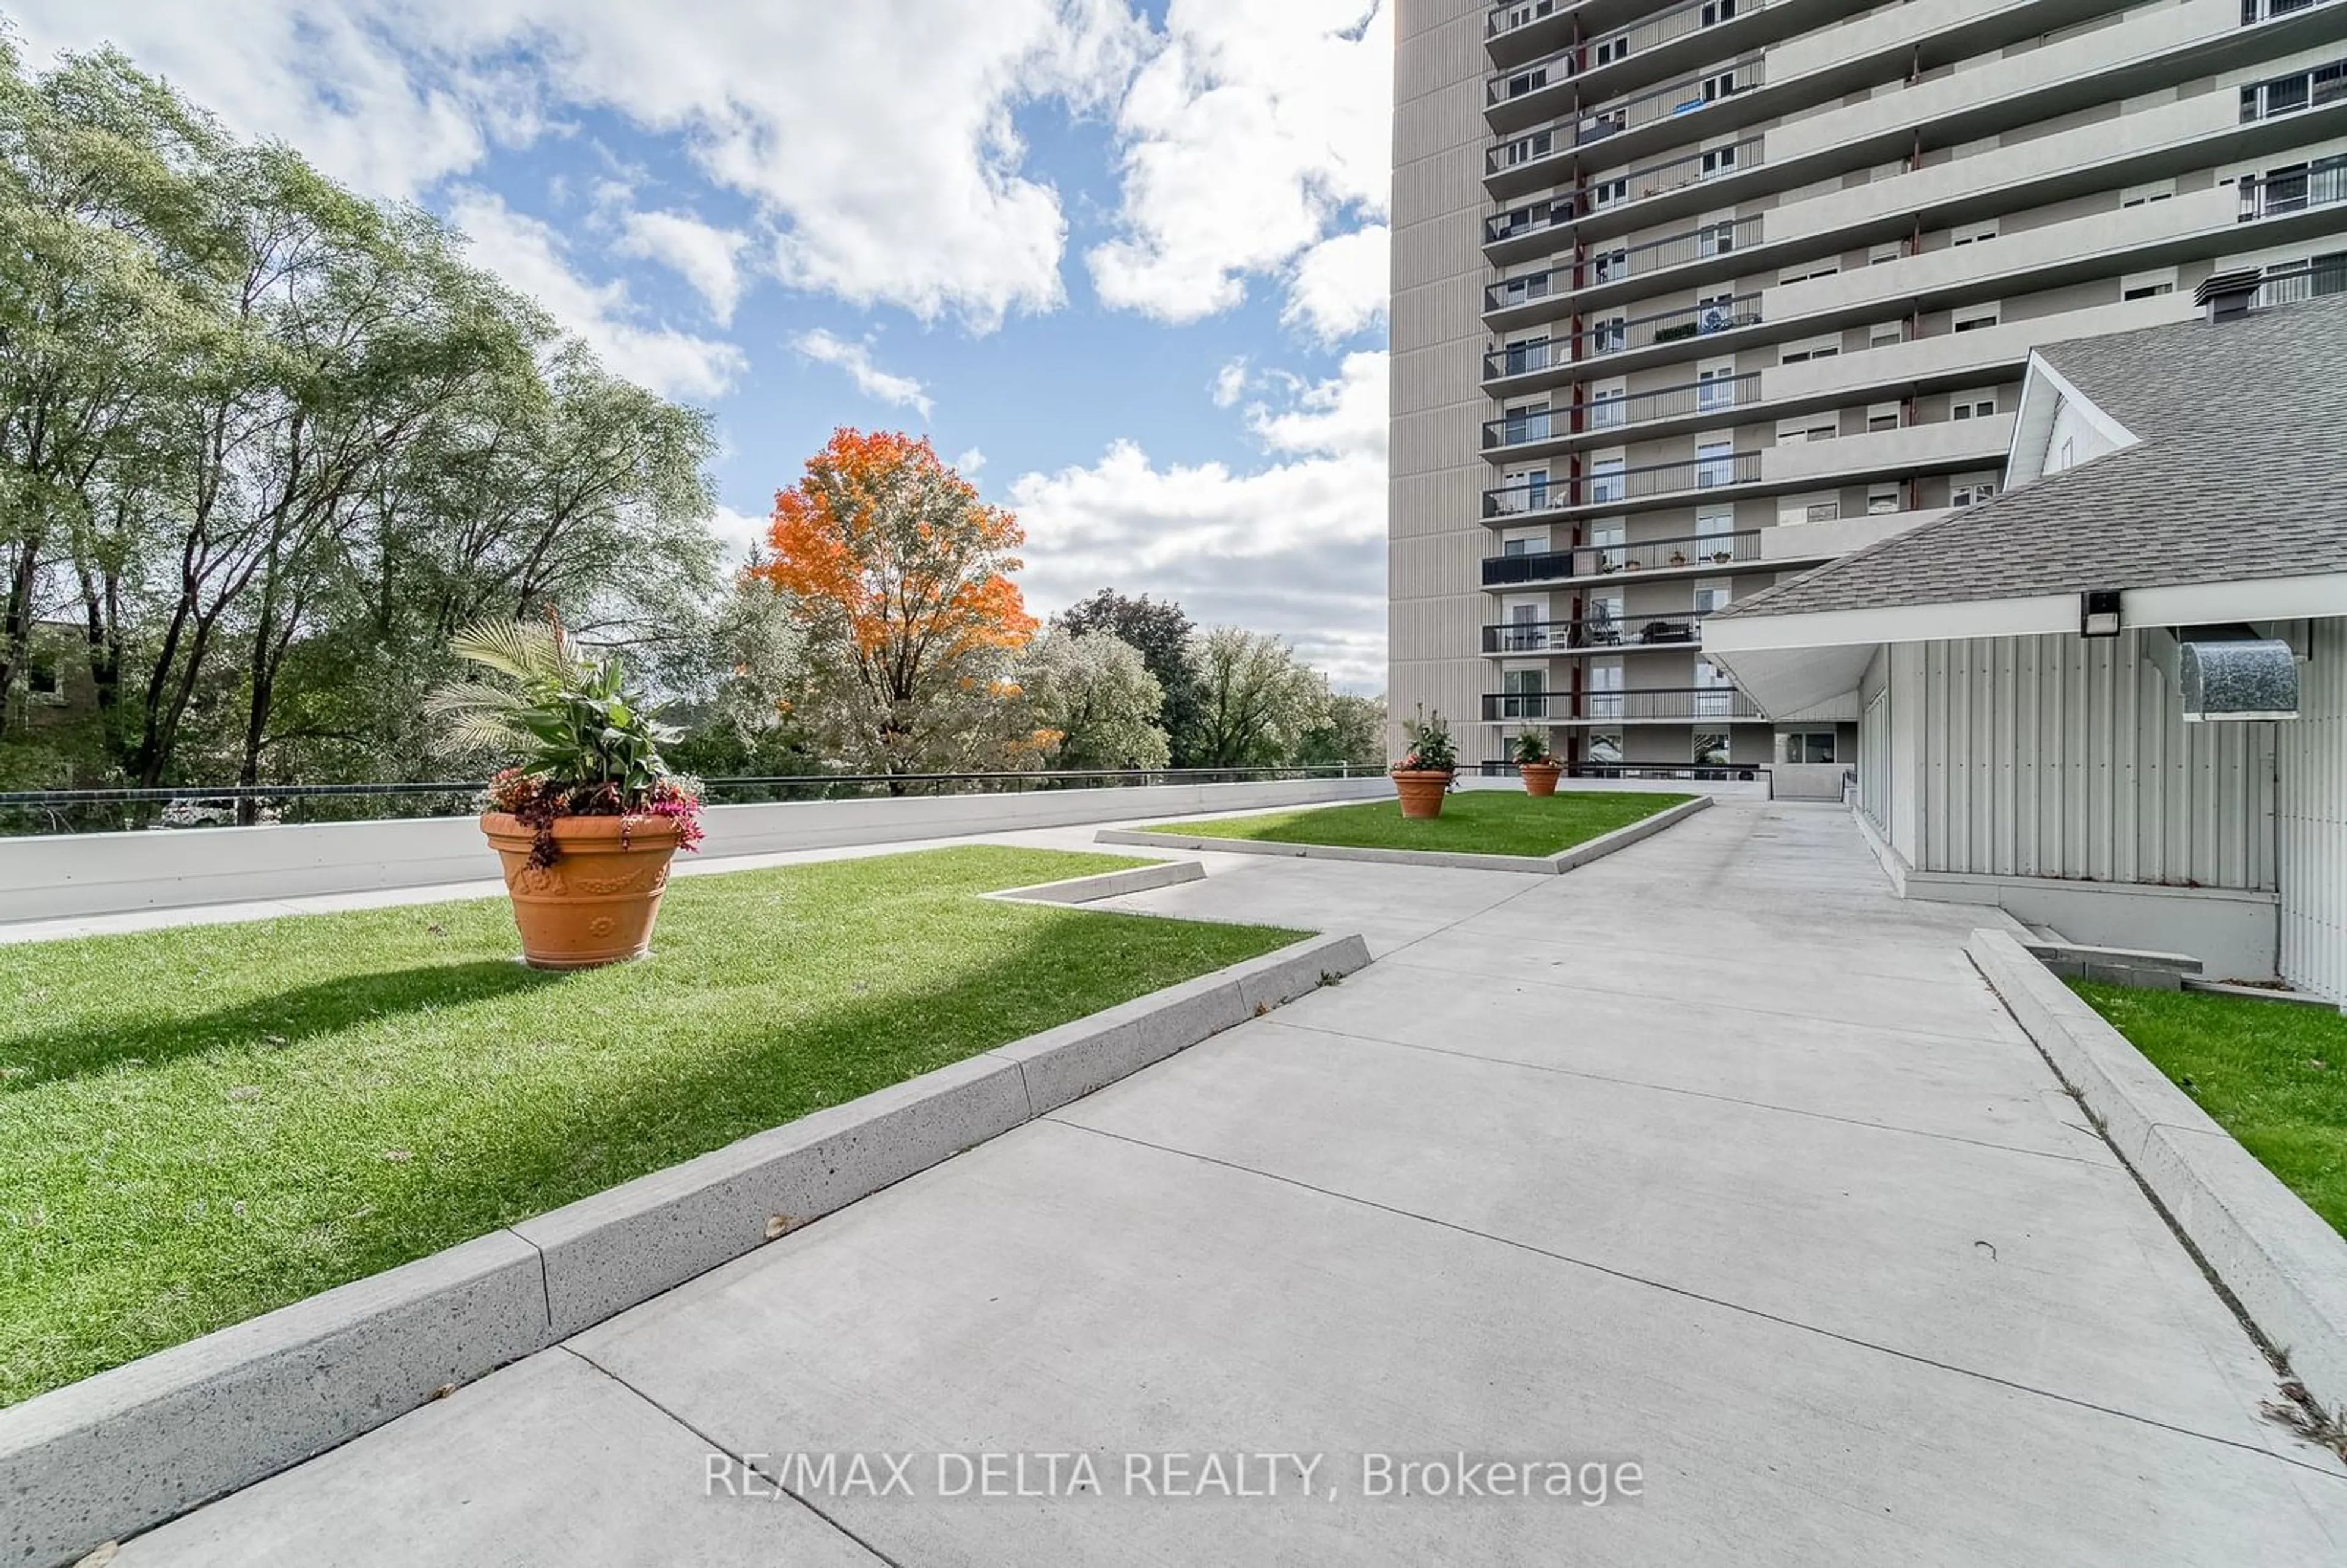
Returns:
(1555, 864)
(2282, 1262)
(1103, 884)
(125, 1450)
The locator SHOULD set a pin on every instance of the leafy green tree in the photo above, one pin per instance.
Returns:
(1256, 700)
(1354, 733)
(1096, 694)
(1162, 633)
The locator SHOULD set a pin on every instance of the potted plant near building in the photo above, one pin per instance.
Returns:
(589, 817)
(1540, 770)
(1423, 774)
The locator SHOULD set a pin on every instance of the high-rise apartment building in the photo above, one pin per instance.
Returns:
(1690, 297)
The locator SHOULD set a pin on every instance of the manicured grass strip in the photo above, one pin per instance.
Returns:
(2275, 1077)
(200, 1124)
(1473, 822)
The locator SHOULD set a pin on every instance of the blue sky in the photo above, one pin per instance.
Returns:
(1125, 258)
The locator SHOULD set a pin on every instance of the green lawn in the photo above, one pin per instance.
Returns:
(2273, 1076)
(1473, 822)
(200, 1124)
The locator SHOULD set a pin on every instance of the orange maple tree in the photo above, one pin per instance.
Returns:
(902, 575)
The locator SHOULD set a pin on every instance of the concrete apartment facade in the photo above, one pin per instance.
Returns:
(1690, 298)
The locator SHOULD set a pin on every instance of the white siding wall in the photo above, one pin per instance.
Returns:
(2068, 757)
(2313, 820)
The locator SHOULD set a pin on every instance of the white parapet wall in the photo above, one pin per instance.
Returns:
(67, 874)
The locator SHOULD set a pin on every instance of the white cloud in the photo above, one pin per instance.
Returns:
(1294, 546)
(1259, 128)
(855, 359)
(737, 531)
(876, 139)
(701, 254)
(1231, 382)
(535, 259)
(970, 462)
(1342, 285)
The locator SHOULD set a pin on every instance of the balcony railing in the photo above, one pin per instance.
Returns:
(1686, 322)
(1675, 173)
(1670, 101)
(1654, 31)
(1532, 497)
(1531, 76)
(1507, 17)
(1665, 703)
(1518, 223)
(1601, 632)
(1686, 400)
(2322, 183)
(2254, 11)
(1605, 560)
(2313, 280)
(1592, 768)
(1631, 261)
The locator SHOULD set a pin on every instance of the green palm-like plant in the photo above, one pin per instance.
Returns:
(565, 718)
(1531, 746)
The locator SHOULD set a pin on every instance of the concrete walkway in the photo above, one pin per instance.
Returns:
(1713, 1156)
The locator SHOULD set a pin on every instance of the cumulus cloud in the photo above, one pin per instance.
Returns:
(707, 257)
(536, 259)
(1231, 382)
(1294, 544)
(855, 359)
(970, 462)
(1341, 286)
(1258, 130)
(877, 141)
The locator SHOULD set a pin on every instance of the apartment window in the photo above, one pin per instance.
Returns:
(1716, 238)
(1802, 274)
(1610, 336)
(1718, 160)
(1529, 148)
(1715, 386)
(1714, 11)
(1973, 405)
(1713, 595)
(1612, 49)
(1715, 463)
(1808, 428)
(1809, 349)
(1883, 335)
(1528, 423)
(1711, 750)
(1969, 490)
(2298, 90)
(1525, 354)
(1881, 500)
(1881, 254)
(1977, 234)
(1523, 290)
(1794, 511)
(2139, 195)
(1606, 192)
(1610, 266)
(1609, 404)
(1807, 746)
(1715, 313)
(2147, 285)
(1976, 320)
(1606, 480)
(1720, 86)
(1603, 700)
(1883, 417)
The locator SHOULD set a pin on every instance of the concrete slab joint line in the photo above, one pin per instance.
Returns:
(1565, 860)
(2281, 1261)
(122, 1451)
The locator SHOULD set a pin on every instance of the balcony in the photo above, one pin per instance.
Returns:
(1519, 99)
(1644, 415)
(1555, 362)
(1519, 232)
(1659, 705)
(1680, 554)
(1601, 634)
(1513, 503)
(1619, 266)
(2310, 186)
(1650, 193)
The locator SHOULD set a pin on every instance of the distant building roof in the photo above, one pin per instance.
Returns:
(2239, 473)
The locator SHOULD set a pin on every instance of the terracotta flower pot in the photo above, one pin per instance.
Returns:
(1421, 791)
(596, 904)
(1540, 778)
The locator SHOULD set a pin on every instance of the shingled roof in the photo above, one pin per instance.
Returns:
(2240, 473)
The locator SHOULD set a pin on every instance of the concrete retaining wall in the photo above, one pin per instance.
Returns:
(69, 875)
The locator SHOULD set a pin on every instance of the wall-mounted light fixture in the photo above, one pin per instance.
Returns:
(2099, 612)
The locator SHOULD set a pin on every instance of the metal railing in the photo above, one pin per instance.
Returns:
(24, 812)
(1659, 704)
(1692, 18)
(1700, 772)
(1601, 632)
(1687, 96)
(1684, 324)
(2322, 183)
(1507, 17)
(1531, 497)
(1678, 552)
(1531, 76)
(2307, 280)
(1534, 217)
(1689, 399)
(1678, 173)
(1698, 244)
